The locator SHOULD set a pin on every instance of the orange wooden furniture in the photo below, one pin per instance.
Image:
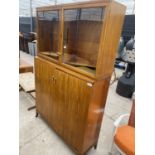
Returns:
(24, 66)
(77, 44)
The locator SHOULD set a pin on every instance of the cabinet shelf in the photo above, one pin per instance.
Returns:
(51, 54)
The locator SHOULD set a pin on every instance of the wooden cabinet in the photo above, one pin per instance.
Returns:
(77, 44)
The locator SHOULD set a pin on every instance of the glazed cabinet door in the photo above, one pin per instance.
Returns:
(43, 79)
(73, 98)
(82, 34)
(48, 32)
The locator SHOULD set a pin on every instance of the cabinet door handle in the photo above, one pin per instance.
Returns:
(52, 78)
(89, 84)
(55, 80)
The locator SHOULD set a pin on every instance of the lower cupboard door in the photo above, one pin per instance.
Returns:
(57, 104)
(42, 89)
(73, 98)
(43, 76)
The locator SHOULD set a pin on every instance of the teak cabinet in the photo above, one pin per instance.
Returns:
(77, 44)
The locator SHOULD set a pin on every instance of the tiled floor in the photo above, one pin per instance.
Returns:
(36, 138)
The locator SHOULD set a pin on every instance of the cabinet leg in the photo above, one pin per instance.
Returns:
(95, 146)
(36, 114)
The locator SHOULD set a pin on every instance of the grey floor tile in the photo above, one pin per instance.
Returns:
(47, 143)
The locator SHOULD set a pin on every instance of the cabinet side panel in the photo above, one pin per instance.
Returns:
(110, 39)
(95, 113)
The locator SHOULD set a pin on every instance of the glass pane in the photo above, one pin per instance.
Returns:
(48, 22)
(82, 30)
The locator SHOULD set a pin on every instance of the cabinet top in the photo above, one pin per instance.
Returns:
(78, 4)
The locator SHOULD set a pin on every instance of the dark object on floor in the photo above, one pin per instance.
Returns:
(126, 86)
(126, 83)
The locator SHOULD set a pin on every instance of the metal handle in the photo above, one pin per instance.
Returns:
(55, 80)
(89, 84)
(52, 78)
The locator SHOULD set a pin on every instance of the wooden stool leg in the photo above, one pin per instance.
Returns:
(30, 108)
